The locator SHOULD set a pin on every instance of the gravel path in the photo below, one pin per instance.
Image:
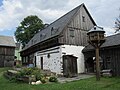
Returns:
(81, 76)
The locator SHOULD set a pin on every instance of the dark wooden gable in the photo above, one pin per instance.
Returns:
(75, 32)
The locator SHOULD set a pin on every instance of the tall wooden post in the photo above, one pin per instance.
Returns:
(96, 38)
(97, 64)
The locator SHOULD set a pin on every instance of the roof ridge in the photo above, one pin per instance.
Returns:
(113, 35)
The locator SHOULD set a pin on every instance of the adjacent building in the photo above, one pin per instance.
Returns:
(109, 55)
(7, 51)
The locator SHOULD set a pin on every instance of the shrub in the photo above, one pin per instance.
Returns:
(27, 72)
(37, 74)
(18, 66)
(53, 79)
(43, 80)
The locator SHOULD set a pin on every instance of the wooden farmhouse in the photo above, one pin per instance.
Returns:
(58, 46)
(7, 51)
(109, 55)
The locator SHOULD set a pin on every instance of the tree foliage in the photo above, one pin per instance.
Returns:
(117, 24)
(28, 28)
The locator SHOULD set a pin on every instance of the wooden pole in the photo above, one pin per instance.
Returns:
(97, 65)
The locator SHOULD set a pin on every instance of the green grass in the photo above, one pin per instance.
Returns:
(86, 84)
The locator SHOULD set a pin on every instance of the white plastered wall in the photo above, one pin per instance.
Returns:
(54, 62)
(77, 52)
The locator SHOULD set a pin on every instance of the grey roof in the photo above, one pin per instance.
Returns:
(111, 41)
(96, 29)
(58, 26)
(7, 41)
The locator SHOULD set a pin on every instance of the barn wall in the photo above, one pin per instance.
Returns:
(7, 56)
(110, 57)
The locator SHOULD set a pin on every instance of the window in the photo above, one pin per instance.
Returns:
(42, 36)
(32, 41)
(35, 41)
(54, 30)
(83, 18)
(71, 33)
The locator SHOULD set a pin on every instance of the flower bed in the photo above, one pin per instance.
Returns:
(31, 75)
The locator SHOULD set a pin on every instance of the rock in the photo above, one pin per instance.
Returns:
(33, 83)
(38, 82)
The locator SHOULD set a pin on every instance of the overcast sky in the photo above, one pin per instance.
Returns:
(12, 12)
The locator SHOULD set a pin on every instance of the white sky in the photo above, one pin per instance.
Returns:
(12, 12)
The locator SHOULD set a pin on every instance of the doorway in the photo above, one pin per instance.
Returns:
(69, 65)
(90, 65)
(41, 62)
(35, 62)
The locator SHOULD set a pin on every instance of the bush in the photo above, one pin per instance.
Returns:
(53, 79)
(26, 73)
(29, 71)
(18, 66)
(43, 80)
(37, 74)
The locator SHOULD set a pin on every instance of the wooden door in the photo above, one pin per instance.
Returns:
(69, 66)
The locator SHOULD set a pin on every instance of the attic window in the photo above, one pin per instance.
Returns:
(83, 18)
(54, 30)
(42, 36)
(32, 41)
(72, 33)
(35, 41)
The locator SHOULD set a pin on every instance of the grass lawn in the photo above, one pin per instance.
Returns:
(86, 84)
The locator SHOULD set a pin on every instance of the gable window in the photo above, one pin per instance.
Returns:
(83, 18)
(72, 33)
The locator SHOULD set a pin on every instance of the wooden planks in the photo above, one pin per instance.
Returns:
(79, 27)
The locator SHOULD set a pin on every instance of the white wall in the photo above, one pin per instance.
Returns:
(75, 51)
(54, 62)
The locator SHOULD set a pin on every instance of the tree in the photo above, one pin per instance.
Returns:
(28, 28)
(117, 24)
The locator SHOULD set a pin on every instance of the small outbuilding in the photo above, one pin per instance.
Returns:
(7, 51)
